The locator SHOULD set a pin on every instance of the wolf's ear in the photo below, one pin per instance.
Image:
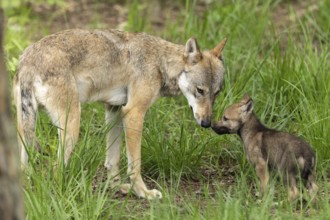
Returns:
(217, 51)
(192, 53)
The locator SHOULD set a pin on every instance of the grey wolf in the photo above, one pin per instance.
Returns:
(127, 72)
(268, 148)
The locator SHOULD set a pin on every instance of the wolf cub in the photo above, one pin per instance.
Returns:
(269, 149)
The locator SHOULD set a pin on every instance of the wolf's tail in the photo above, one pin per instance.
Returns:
(26, 107)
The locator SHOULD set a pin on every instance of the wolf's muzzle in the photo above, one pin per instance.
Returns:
(206, 123)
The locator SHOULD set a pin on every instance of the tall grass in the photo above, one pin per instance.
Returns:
(201, 175)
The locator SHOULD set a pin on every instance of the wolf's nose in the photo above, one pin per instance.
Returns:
(206, 124)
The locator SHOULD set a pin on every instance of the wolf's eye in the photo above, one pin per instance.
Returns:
(224, 118)
(200, 91)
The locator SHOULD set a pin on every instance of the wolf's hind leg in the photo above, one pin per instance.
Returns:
(69, 133)
(63, 106)
(114, 140)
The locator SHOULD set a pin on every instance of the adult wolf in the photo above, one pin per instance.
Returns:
(127, 72)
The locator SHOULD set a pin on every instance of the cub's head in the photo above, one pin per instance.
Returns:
(234, 116)
(202, 79)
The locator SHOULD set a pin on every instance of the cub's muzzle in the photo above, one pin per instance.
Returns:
(220, 129)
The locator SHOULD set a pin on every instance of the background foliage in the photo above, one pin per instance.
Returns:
(277, 51)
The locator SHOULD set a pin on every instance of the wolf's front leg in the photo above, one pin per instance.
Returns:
(133, 125)
(114, 140)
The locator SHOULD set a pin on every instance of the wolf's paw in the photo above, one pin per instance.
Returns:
(115, 182)
(151, 194)
(141, 193)
(125, 188)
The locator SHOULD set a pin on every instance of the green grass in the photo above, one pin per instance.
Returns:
(201, 175)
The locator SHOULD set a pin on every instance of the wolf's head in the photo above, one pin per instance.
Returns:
(234, 116)
(202, 79)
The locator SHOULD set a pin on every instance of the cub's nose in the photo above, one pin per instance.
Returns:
(206, 123)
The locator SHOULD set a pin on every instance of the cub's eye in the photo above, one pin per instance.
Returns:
(200, 91)
(224, 118)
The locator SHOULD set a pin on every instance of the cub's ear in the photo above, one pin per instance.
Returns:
(247, 108)
(192, 53)
(217, 51)
(246, 98)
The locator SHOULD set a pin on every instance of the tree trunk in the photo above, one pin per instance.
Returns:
(11, 204)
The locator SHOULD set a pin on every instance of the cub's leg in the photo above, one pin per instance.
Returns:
(262, 172)
(293, 190)
(311, 185)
